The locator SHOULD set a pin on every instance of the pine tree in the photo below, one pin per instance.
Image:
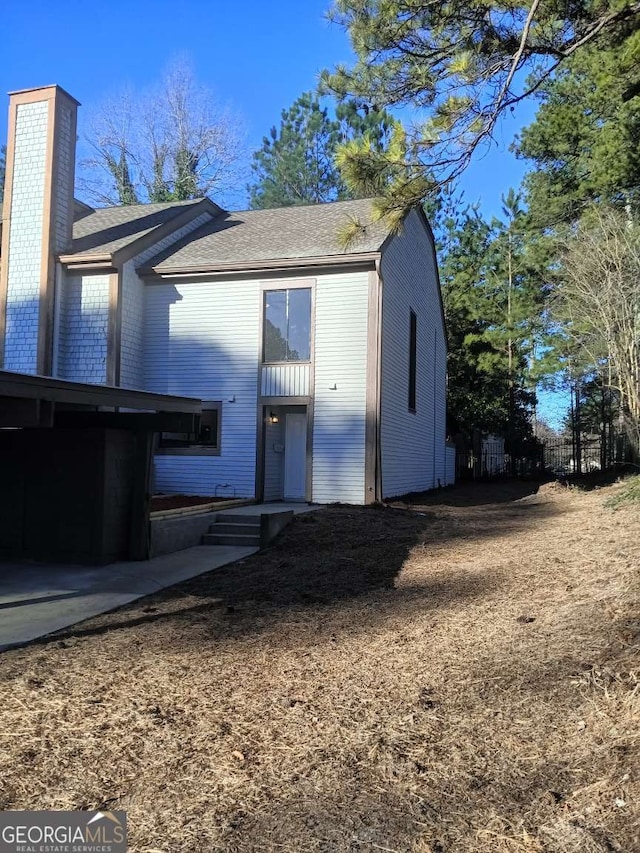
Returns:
(493, 303)
(297, 162)
(461, 67)
(585, 140)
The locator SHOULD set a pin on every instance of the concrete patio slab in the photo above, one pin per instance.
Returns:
(38, 599)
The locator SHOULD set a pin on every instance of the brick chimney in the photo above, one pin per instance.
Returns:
(37, 222)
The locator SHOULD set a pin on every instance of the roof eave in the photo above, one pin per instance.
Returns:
(76, 262)
(273, 265)
(55, 390)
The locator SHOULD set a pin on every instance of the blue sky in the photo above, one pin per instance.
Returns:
(257, 56)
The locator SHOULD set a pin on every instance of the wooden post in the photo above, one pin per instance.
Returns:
(139, 539)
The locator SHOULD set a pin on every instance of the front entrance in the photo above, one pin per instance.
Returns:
(295, 456)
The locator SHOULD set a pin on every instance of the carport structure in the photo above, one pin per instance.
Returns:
(76, 467)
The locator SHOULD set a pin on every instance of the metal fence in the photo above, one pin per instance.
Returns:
(585, 454)
(492, 463)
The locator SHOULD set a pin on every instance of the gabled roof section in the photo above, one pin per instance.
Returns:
(304, 233)
(100, 234)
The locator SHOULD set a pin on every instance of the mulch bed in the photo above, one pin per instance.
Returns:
(160, 502)
(443, 676)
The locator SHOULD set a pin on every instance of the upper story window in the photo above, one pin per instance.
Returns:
(287, 325)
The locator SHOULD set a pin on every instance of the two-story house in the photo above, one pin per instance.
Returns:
(322, 369)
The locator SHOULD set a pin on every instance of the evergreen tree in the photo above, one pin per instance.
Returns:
(297, 161)
(585, 140)
(493, 304)
(584, 196)
(461, 66)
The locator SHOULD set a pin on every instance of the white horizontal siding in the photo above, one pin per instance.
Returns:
(132, 295)
(285, 380)
(412, 444)
(340, 388)
(201, 340)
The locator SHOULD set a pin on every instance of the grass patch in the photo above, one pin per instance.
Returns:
(628, 492)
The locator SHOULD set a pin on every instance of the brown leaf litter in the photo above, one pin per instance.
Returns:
(452, 674)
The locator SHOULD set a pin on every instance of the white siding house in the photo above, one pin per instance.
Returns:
(412, 437)
(340, 388)
(321, 369)
(188, 351)
(202, 337)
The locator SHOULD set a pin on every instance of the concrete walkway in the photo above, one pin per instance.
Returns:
(39, 598)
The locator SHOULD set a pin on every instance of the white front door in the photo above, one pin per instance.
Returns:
(295, 457)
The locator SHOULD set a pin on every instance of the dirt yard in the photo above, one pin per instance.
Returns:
(455, 676)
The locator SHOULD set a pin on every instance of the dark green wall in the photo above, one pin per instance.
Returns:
(66, 494)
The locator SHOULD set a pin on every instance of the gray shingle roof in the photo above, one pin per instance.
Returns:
(109, 229)
(286, 233)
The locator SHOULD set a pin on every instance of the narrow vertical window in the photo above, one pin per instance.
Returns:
(287, 325)
(413, 343)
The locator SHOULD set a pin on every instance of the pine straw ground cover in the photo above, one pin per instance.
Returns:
(457, 676)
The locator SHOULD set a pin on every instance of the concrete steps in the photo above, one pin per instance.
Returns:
(247, 531)
(243, 530)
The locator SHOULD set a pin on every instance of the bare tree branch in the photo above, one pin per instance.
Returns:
(170, 143)
(598, 302)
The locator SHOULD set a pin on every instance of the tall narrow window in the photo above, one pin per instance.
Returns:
(287, 325)
(413, 347)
